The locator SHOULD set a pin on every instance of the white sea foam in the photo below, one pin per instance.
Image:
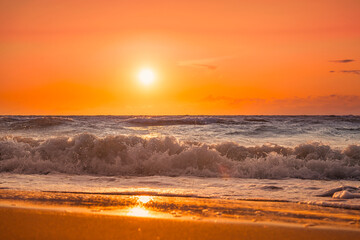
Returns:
(346, 195)
(166, 156)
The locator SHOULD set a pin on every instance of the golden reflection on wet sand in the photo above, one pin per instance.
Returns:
(144, 199)
(140, 209)
(146, 206)
(138, 212)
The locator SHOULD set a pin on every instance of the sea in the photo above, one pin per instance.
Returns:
(312, 160)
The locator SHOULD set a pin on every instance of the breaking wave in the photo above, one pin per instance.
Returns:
(134, 155)
(15, 123)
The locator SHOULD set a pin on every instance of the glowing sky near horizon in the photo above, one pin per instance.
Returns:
(208, 57)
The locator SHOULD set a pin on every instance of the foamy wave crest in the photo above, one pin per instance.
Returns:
(34, 122)
(134, 155)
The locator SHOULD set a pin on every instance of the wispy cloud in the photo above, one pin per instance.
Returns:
(357, 72)
(207, 63)
(351, 71)
(343, 60)
(208, 66)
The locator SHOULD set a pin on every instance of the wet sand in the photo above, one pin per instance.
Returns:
(59, 215)
(31, 223)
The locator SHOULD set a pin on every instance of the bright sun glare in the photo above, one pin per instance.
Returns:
(144, 199)
(146, 76)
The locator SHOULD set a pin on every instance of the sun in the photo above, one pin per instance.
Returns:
(146, 76)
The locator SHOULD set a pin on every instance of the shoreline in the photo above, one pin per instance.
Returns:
(191, 207)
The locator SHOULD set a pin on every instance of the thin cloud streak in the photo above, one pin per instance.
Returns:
(207, 63)
(357, 72)
(342, 61)
(211, 67)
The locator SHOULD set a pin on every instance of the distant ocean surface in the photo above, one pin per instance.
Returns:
(314, 159)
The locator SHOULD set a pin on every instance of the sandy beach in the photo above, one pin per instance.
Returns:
(22, 223)
(35, 215)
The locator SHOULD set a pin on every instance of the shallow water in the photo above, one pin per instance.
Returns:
(314, 192)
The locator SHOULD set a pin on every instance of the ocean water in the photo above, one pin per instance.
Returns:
(304, 159)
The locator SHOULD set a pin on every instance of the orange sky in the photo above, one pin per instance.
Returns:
(209, 56)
